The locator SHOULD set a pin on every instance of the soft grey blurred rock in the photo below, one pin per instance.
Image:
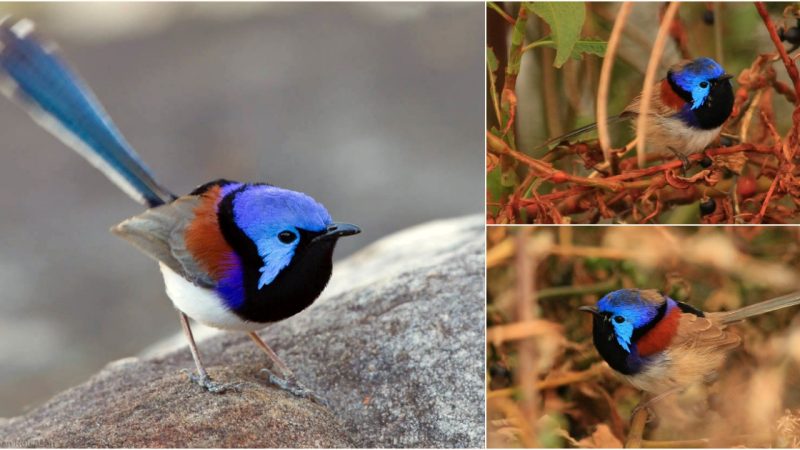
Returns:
(395, 344)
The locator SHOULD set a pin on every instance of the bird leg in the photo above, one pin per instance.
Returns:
(684, 160)
(201, 378)
(649, 403)
(287, 381)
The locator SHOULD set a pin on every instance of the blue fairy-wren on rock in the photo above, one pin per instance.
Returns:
(661, 345)
(234, 256)
(687, 108)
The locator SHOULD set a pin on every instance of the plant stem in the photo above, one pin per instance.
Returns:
(500, 11)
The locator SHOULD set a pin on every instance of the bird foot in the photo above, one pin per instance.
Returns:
(684, 160)
(292, 386)
(209, 385)
(646, 406)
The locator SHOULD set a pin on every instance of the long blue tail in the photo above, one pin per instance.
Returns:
(33, 76)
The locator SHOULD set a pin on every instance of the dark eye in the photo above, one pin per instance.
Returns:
(704, 84)
(619, 319)
(287, 237)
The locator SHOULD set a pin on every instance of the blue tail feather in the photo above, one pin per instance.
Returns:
(55, 97)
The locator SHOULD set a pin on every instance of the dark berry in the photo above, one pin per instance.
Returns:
(706, 162)
(708, 17)
(792, 35)
(707, 206)
(498, 371)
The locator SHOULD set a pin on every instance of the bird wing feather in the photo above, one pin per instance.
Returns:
(159, 233)
(696, 353)
(704, 333)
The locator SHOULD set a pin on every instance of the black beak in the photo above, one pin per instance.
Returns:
(724, 77)
(337, 230)
(590, 309)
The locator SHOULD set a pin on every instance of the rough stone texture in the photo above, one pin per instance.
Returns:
(395, 344)
(134, 403)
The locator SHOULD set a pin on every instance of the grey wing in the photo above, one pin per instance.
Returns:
(159, 233)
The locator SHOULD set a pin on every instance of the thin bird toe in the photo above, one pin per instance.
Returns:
(294, 387)
(210, 385)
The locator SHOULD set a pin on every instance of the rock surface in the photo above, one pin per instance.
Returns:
(395, 344)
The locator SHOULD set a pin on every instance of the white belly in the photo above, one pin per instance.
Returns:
(670, 132)
(203, 305)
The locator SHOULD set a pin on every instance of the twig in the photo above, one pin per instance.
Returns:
(566, 291)
(763, 210)
(526, 374)
(638, 422)
(515, 51)
(571, 378)
(517, 331)
(773, 34)
(605, 79)
(688, 443)
(499, 253)
(499, 10)
(613, 183)
(743, 440)
(650, 78)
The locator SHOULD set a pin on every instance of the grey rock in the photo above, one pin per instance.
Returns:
(395, 344)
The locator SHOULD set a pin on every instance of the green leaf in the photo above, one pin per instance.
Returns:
(491, 60)
(593, 46)
(565, 20)
(497, 191)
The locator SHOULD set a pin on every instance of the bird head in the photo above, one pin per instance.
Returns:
(620, 319)
(701, 81)
(280, 227)
(283, 243)
(621, 313)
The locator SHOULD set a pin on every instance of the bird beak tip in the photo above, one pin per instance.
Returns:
(589, 309)
(337, 230)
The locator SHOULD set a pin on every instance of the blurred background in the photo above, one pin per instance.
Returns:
(548, 387)
(376, 110)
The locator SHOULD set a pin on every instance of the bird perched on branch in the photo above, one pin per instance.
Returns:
(687, 108)
(234, 256)
(660, 345)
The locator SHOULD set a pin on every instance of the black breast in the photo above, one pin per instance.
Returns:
(606, 343)
(717, 107)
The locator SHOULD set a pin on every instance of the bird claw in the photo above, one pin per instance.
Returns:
(646, 406)
(292, 386)
(211, 386)
(684, 160)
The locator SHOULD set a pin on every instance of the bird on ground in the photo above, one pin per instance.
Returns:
(660, 345)
(687, 109)
(234, 256)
